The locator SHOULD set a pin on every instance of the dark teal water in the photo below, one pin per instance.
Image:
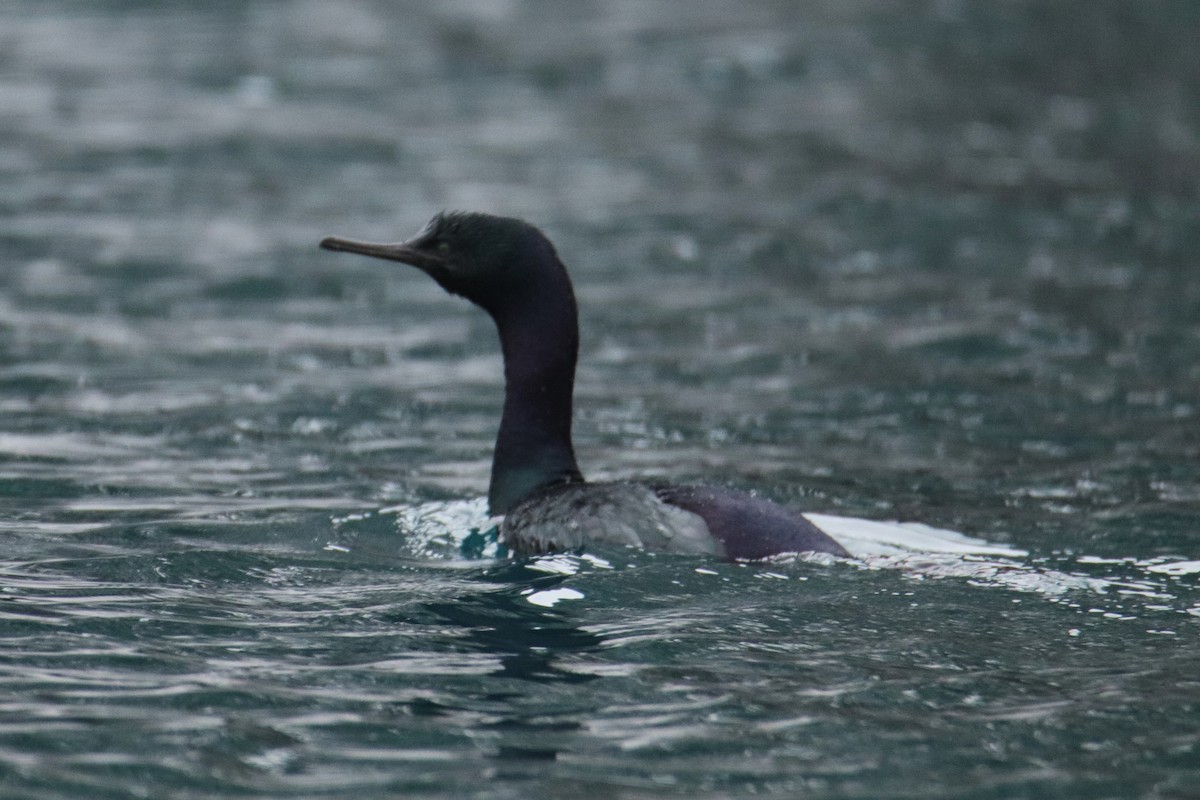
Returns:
(916, 261)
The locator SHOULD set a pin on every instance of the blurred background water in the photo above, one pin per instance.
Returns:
(926, 261)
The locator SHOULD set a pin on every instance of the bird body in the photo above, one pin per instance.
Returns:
(571, 516)
(510, 269)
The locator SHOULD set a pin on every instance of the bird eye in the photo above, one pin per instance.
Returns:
(443, 248)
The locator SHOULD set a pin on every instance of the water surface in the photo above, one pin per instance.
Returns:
(927, 262)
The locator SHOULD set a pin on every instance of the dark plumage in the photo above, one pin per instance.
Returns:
(508, 268)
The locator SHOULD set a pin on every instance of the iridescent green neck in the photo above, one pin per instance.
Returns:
(539, 336)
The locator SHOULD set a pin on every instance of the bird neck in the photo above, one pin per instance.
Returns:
(539, 336)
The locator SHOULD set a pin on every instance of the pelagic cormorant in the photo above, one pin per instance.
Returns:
(508, 268)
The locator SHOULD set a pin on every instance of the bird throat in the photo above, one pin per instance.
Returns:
(540, 341)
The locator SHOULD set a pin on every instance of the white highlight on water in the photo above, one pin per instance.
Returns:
(551, 597)
(864, 537)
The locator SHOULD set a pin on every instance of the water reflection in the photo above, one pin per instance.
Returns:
(528, 639)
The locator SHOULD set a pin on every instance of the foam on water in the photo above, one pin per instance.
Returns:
(453, 532)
